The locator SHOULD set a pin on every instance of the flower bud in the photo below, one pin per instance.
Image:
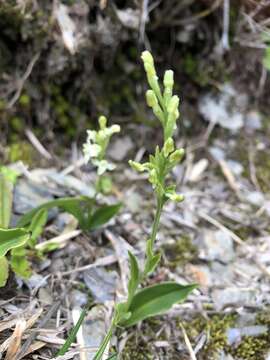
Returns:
(151, 98)
(136, 166)
(153, 177)
(173, 104)
(168, 146)
(176, 197)
(115, 128)
(168, 79)
(102, 122)
(177, 156)
(147, 58)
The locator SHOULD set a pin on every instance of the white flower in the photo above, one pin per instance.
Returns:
(103, 165)
(90, 151)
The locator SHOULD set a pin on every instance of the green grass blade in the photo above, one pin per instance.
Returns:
(72, 335)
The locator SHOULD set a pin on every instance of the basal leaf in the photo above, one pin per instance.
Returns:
(102, 215)
(77, 206)
(19, 262)
(37, 224)
(3, 271)
(12, 238)
(6, 189)
(134, 276)
(155, 300)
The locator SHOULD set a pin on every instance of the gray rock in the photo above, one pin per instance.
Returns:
(101, 283)
(234, 296)
(217, 245)
(253, 120)
(120, 148)
(28, 195)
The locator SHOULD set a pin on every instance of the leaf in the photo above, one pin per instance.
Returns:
(10, 174)
(37, 224)
(151, 263)
(19, 263)
(134, 276)
(102, 215)
(155, 300)
(266, 59)
(12, 238)
(6, 196)
(77, 206)
(3, 271)
(72, 335)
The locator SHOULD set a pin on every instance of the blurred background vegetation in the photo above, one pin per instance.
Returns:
(64, 63)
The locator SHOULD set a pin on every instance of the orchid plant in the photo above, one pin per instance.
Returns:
(143, 302)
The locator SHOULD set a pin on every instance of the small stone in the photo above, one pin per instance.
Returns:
(233, 296)
(28, 195)
(120, 148)
(217, 245)
(45, 296)
(78, 298)
(101, 283)
(253, 120)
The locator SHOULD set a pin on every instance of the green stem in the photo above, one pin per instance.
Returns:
(156, 223)
(102, 348)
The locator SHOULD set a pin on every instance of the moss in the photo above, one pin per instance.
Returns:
(20, 151)
(262, 165)
(135, 348)
(215, 328)
(181, 252)
(24, 100)
(249, 348)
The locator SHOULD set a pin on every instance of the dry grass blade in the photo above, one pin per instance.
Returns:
(188, 344)
(15, 341)
(60, 240)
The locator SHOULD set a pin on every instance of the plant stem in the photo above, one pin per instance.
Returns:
(105, 342)
(156, 223)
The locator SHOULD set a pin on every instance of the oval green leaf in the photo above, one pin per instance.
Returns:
(3, 271)
(76, 206)
(12, 238)
(37, 224)
(102, 216)
(156, 300)
(6, 189)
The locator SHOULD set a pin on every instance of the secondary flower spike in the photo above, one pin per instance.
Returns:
(94, 149)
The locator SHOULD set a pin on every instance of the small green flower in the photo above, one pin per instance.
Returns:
(168, 147)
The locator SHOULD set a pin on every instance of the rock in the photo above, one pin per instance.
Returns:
(120, 148)
(255, 198)
(101, 283)
(217, 153)
(78, 298)
(45, 296)
(216, 245)
(234, 296)
(253, 120)
(234, 335)
(225, 109)
(36, 281)
(235, 167)
(129, 18)
(197, 170)
(133, 201)
(28, 195)
(93, 331)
